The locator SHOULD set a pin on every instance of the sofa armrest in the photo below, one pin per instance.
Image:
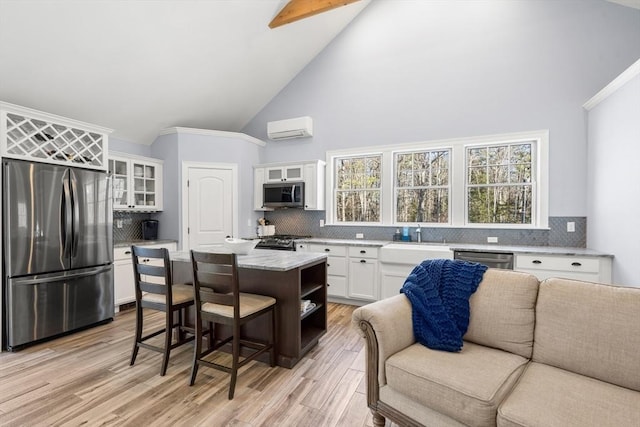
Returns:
(387, 328)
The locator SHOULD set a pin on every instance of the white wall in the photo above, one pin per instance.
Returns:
(406, 71)
(181, 147)
(129, 147)
(614, 180)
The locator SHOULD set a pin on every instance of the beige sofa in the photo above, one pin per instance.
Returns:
(556, 353)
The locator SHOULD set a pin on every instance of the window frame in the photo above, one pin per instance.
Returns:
(533, 183)
(394, 173)
(334, 190)
(457, 175)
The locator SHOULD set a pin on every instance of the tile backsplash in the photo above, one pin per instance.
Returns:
(301, 222)
(131, 223)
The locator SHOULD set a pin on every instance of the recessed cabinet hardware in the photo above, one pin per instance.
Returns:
(127, 252)
(363, 252)
(576, 264)
(363, 260)
(327, 250)
(536, 261)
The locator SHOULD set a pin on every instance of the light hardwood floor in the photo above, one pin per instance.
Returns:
(85, 379)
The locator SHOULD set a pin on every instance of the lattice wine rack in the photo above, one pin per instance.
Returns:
(47, 138)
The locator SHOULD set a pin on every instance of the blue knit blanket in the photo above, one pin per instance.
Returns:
(439, 292)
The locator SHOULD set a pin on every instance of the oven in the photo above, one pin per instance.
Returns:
(280, 242)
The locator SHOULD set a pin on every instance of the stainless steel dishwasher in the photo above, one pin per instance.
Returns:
(502, 260)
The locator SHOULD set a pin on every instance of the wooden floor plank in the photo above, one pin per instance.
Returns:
(85, 379)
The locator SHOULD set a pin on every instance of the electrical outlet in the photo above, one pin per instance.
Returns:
(249, 223)
(118, 223)
(492, 240)
(571, 227)
(359, 235)
(322, 223)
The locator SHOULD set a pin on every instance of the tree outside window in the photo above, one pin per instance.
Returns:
(357, 192)
(500, 184)
(422, 186)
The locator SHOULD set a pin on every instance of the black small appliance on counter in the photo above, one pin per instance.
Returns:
(150, 229)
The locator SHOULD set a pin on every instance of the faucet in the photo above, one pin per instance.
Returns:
(419, 234)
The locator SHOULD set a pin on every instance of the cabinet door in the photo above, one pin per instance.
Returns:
(123, 286)
(274, 174)
(144, 185)
(337, 286)
(119, 169)
(293, 173)
(310, 187)
(363, 279)
(137, 184)
(284, 173)
(258, 194)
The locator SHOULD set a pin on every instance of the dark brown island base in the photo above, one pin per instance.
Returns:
(289, 277)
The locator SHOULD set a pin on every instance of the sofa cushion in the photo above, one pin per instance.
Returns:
(466, 386)
(553, 397)
(503, 311)
(590, 329)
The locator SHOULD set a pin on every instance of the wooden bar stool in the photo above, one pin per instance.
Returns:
(219, 300)
(155, 290)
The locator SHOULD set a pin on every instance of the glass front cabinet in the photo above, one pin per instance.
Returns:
(137, 183)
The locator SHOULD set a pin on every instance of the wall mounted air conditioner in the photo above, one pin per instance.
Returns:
(300, 127)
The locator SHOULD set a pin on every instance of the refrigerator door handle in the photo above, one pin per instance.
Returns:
(66, 217)
(76, 213)
(59, 278)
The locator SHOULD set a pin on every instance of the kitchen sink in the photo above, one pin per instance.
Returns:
(413, 253)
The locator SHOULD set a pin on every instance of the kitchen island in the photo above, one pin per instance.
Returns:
(289, 277)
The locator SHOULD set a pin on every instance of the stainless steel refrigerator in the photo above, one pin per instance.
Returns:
(57, 250)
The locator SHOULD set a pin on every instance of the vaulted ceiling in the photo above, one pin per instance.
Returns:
(142, 66)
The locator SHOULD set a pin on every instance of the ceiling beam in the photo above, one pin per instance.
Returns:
(300, 9)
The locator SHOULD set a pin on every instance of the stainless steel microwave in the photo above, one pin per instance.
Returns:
(283, 195)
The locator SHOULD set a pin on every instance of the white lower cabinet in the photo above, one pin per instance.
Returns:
(590, 269)
(352, 271)
(392, 277)
(363, 273)
(363, 279)
(123, 282)
(123, 285)
(336, 266)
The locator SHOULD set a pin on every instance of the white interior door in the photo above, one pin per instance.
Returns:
(211, 204)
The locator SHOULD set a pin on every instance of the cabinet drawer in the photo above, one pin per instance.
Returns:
(336, 266)
(336, 250)
(363, 252)
(568, 264)
(123, 253)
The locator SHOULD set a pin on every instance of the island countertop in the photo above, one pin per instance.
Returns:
(263, 259)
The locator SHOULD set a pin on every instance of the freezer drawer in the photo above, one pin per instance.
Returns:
(46, 305)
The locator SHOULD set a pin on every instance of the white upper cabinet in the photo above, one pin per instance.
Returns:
(137, 183)
(309, 172)
(314, 185)
(42, 137)
(284, 173)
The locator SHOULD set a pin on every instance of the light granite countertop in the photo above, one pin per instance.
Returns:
(345, 242)
(124, 244)
(540, 250)
(263, 259)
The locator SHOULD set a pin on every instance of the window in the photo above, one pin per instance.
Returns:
(497, 181)
(499, 184)
(422, 186)
(357, 193)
